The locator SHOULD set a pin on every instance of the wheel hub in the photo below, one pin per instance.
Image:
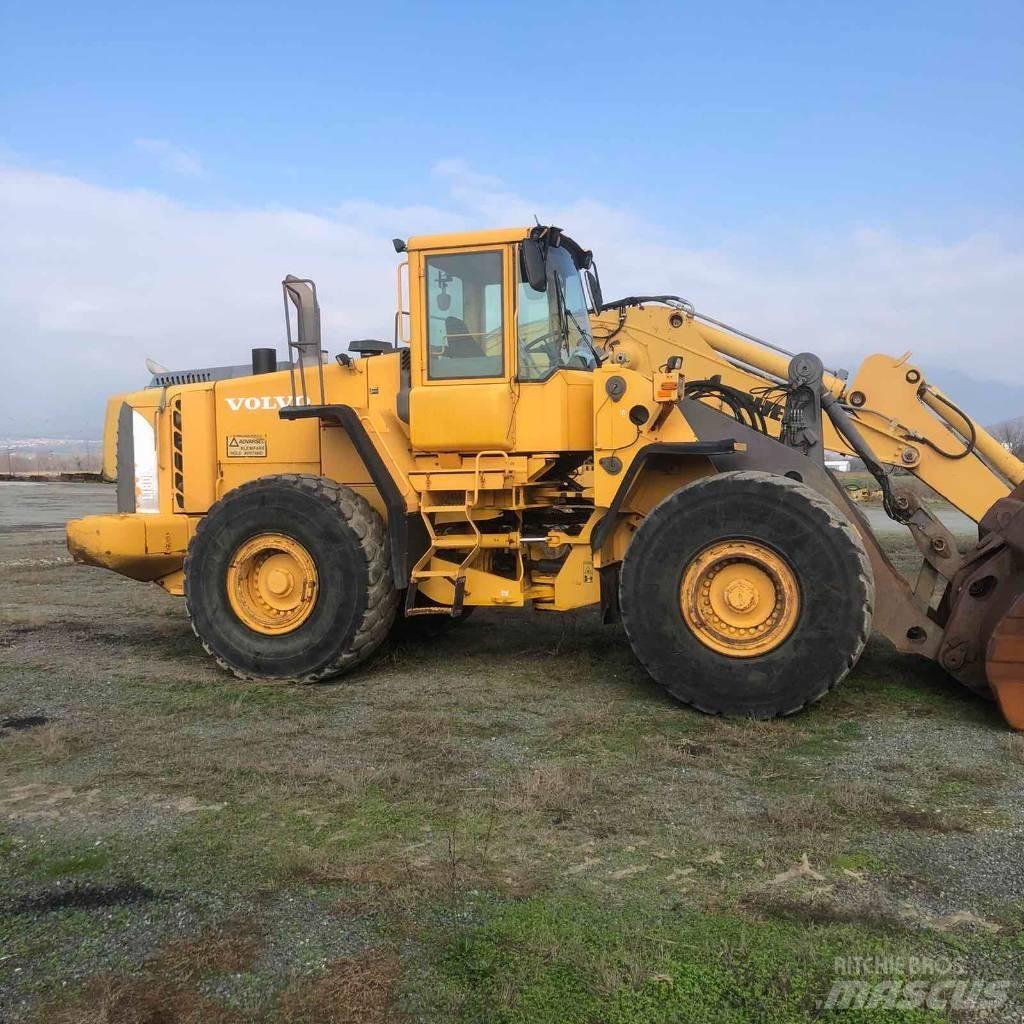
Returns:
(740, 598)
(741, 595)
(280, 582)
(272, 583)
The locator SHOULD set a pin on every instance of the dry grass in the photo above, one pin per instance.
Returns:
(166, 990)
(973, 775)
(359, 990)
(232, 948)
(859, 803)
(44, 745)
(586, 720)
(140, 1000)
(448, 862)
(821, 819)
(554, 786)
(802, 812)
(824, 907)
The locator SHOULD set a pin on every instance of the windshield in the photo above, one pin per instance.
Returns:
(553, 325)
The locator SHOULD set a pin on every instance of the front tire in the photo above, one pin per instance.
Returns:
(289, 577)
(747, 594)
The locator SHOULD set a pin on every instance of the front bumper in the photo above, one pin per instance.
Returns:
(139, 546)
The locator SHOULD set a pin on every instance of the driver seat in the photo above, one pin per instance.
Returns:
(461, 343)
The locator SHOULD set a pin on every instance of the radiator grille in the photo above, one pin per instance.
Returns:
(178, 377)
(178, 455)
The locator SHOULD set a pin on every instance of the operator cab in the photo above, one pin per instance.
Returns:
(501, 343)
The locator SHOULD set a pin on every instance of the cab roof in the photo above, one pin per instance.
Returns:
(498, 236)
(461, 239)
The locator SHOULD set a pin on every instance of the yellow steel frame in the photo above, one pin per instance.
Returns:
(466, 438)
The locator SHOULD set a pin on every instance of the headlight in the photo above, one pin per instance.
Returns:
(138, 480)
(147, 480)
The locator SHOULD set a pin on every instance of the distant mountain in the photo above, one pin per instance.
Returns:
(63, 445)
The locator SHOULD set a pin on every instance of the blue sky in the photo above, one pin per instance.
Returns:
(701, 114)
(768, 130)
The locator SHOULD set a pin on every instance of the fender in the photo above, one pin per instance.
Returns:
(602, 530)
(347, 418)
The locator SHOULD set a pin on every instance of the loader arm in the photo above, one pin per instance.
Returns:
(890, 416)
(907, 423)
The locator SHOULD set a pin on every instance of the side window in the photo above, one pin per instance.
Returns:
(465, 334)
(538, 352)
(553, 326)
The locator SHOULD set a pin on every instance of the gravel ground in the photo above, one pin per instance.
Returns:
(292, 834)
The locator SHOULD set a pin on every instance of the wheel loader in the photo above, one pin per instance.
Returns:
(523, 441)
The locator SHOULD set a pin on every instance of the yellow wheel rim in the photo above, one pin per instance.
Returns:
(272, 584)
(740, 598)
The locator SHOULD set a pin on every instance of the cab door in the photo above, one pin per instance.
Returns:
(462, 398)
(555, 411)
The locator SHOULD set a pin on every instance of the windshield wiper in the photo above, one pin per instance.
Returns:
(567, 315)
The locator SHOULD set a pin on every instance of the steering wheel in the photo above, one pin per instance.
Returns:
(545, 344)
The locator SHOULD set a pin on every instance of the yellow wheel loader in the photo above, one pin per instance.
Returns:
(523, 441)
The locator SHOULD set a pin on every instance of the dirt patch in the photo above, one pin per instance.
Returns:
(81, 896)
(919, 819)
(859, 801)
(41, 801)
(449, 863)
(818, 911)
(166, 990)
(231, 948)
(359, 990)
(10, 635)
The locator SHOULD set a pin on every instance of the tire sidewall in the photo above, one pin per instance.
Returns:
(830, 627)
(270, 506)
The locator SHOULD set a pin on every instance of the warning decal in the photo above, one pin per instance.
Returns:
(247, 446)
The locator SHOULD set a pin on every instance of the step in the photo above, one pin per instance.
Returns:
(454, 610)
(449, 541)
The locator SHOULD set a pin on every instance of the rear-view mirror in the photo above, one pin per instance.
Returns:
(595, 289)
(531, 258)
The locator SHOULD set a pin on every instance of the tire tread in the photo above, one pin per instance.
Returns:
(368, 527)
(831, 519)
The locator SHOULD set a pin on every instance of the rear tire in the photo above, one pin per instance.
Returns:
(336, 530)
(818, 636)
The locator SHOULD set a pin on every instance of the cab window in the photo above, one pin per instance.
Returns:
(465, 316)
(553, 326)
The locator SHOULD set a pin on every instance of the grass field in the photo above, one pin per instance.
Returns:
(511, 823)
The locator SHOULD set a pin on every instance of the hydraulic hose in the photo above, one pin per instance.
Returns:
(848, 430)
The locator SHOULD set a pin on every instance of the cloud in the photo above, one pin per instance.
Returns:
(94, 279)
(171, 157)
